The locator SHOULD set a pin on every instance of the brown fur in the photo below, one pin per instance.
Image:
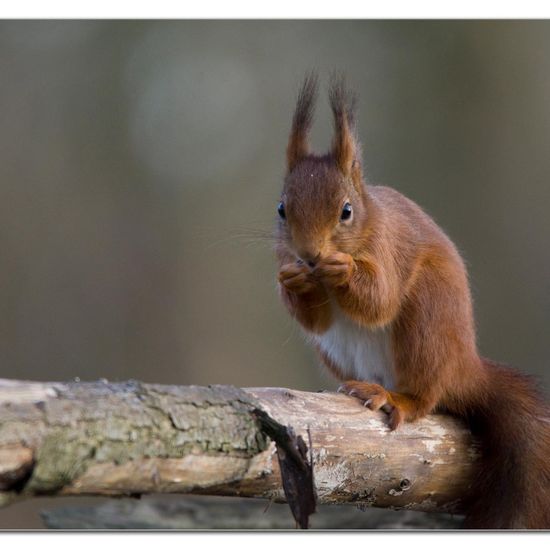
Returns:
(301, 123)
(392, 266)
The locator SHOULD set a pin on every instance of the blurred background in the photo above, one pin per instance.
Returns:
(140, 162)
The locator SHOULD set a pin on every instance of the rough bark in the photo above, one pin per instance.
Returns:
(133, 438)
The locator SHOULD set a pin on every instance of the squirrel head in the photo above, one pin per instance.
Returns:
(324, 201)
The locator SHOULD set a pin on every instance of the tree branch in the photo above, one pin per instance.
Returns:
(133, 438)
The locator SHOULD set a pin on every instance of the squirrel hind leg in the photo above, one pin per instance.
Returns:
(375, 397)
(400, 407)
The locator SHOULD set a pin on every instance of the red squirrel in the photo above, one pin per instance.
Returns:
(383, 294)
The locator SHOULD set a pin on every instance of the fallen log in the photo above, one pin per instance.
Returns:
(131, 438)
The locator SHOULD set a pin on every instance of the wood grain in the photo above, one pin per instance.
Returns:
(98, 438)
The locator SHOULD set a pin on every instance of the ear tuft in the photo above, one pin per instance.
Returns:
(298, 146)
(345, 146)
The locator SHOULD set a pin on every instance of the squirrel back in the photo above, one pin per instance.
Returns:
(385, 296)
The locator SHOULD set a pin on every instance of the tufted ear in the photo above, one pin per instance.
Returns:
(298, 146)
(345, 146)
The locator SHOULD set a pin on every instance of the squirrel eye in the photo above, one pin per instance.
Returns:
(281, 210)
(346, 212)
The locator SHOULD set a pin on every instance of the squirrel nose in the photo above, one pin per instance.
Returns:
(310, 259)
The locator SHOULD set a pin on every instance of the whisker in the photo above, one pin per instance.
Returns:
(319, 305)
(247, 235)
(291, 334)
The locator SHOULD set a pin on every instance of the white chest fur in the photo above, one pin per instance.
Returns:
(359, 352)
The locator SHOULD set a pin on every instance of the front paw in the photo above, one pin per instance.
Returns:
(335, 270)
(296, 278)
(375, 397)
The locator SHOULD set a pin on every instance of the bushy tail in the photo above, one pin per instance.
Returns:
(513, 488)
